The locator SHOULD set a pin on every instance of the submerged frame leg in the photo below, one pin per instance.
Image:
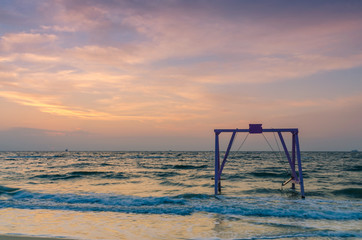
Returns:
(293, 156)
(217, 162)
(218, 168)
(299, 166)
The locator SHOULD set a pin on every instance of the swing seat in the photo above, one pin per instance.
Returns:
(295, 181)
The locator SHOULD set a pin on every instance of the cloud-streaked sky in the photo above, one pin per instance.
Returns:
(159, 75)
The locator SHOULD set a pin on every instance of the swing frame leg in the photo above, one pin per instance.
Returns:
(300, 171)
(217, 164)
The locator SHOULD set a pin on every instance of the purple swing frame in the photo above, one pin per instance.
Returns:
(257, 129)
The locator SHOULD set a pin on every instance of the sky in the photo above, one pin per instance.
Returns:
(162, 75)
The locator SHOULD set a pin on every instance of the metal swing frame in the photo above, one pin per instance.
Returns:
(257, 129)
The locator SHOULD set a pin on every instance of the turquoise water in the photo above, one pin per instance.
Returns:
(169, 195)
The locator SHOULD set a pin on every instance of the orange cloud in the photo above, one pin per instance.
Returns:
(51, 105)
(46, 104)
(105, 55)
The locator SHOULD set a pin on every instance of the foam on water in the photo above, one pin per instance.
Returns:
(186, 204)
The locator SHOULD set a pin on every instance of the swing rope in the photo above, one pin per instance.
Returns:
(234, 152)
(243, 142)
(280, 155)
(287, 171)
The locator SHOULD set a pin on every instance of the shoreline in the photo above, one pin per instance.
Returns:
(26, 237)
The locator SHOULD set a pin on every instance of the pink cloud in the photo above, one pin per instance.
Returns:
(17, 42)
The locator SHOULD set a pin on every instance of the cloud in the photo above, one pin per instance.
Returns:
(58, 28)
(105, 55)
(220, 47)
(47, 104)
(30, 57)
(138, 110)
(32, 132)
(21, 42)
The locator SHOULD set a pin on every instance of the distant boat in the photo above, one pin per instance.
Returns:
(66, 150)
(354, 150)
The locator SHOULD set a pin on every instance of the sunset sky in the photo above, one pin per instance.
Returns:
(161, 75)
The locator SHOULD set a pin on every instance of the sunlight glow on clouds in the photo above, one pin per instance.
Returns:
(181, 66)
(44, 104)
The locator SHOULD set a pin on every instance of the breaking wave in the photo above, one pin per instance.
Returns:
(184, 204)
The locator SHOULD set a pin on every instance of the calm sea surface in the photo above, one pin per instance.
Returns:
(169, 195)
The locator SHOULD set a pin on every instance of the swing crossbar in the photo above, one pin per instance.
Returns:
(291, 130)
(257, 129)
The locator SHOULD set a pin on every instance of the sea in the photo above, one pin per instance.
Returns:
(170, 195)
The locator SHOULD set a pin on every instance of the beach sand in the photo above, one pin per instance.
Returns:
(11, 237)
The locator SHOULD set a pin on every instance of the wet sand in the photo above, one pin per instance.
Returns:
(13, 237)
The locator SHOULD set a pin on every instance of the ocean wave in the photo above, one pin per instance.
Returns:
(357, 168)
(165, 174)
(309, 234)
(187, 204)
(262, 191)
(350, 192)
(117, 175)
(190, 166)
(8, 190)
(81, 174)
(268, 174)
(55, 176)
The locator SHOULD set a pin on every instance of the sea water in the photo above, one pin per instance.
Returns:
(169, 195)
